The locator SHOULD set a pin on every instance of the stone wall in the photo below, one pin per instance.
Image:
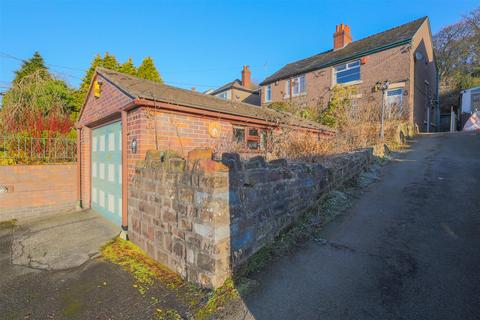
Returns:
(204, 218)
(178, 213)
(266, 197)
(32, 190)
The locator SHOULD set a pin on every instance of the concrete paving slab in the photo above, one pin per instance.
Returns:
(61, 241)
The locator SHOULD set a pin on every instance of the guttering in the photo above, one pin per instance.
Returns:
(337, 61)
(207, 113)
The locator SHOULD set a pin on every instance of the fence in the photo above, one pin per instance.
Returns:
(28, 150)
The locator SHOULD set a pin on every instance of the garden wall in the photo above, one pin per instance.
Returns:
(32, 190)
(203, 218)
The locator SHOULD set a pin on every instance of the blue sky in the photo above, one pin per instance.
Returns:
(198, 44)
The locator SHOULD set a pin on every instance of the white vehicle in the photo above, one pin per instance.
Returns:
(469, 106)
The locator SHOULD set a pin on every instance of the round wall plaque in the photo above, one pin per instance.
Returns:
(214, 129)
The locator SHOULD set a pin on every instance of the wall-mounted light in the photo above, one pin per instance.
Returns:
(418, 56)
(134, 145)
(97, 88)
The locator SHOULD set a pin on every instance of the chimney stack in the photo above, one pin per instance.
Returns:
(246, 82)
(341, 37)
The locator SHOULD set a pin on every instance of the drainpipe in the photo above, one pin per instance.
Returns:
(79, 169)
(385, 86)
(124, 233)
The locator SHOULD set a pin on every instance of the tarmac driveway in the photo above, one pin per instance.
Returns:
(48, 271)
(60, 242)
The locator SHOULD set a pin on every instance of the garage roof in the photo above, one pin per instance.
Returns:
(146, 89)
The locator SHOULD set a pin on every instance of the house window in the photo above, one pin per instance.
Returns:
(224, 95)
(348, 72)
(297, 86)
(394, 98)
(268, 93)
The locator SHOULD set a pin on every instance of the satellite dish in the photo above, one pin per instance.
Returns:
(418, 56)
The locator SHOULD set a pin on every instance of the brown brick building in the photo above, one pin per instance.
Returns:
(403, 56)
(124, 117)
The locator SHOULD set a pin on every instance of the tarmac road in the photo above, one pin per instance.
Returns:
(409, 248)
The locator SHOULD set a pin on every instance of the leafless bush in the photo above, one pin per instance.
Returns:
(357, 122)
(289, 143)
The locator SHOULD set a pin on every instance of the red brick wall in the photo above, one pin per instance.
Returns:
(85, 158)
(37, 189)
(178, 132)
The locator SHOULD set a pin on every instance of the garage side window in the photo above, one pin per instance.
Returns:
(250, 138)
(239, 135)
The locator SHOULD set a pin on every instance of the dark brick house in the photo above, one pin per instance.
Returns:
(403, 55)
(124, 117)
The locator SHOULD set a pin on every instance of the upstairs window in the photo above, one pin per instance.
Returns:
(224, 95)
(268, 93)
(348, 72)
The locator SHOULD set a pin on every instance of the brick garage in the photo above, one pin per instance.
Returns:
(159, 117)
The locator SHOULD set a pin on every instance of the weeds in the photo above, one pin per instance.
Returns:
(134, 260)
(8, 223)
(168, 314)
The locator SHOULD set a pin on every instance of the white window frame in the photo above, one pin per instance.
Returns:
(287, 88)
(268, 93)
(297, 88)
(348, 66)
(387, 103)
(225, 95)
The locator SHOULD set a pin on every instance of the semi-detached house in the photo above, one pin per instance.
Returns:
(403, 56)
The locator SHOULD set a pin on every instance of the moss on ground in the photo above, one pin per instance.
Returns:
(8, 223)
(167, 314)
(144, 269)
(218, 299)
